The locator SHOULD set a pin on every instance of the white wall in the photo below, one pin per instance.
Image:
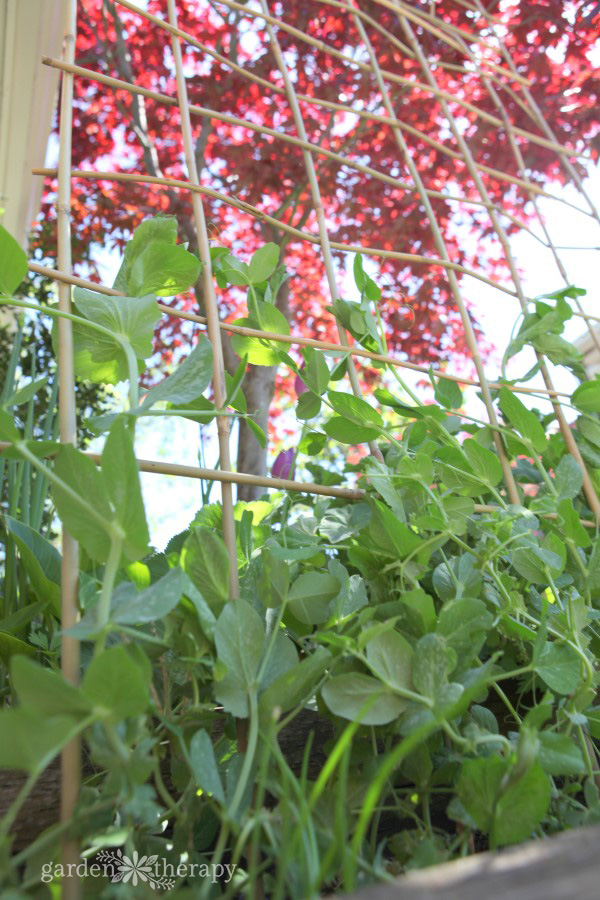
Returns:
(29, 29)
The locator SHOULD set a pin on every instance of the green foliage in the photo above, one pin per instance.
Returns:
(153, 262)
(444, 638)
(101, 355)
(13, 263)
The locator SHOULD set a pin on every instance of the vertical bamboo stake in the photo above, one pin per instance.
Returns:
(212, 312)
(317, 203)
(71, 755)
(442, 250)
(588, 485)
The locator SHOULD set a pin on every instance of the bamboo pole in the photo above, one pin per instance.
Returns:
(423, 20)
(497, 100)
(588, 485)
(300, 340)
(516, 151)
(259, 214)
(470, 337)
(315, 191)
(538, 115)
(70, 655)
(159, 467)
(398, 79)
(290, 139)
(212, 312)
(345, 108)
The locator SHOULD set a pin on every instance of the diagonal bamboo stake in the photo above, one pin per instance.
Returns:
(212, 313)
(345, 108)
(452, 279)
(424, 21)
(290, 139)
(70, 654)
(296, 232)
(539, 116)
(398, 79)
(391, 76)
(516, 150)
(299, 340)
(522, 167)
(318, 206)
(159, 467)
(530, 106)
(588, 485)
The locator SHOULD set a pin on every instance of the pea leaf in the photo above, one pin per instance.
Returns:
(390, 657)
(432, 663)
(240, 643)
(295, 685)
(355, 409)
(188, 381)
(478, 788)
(273, 580)
(346, 432)
(46, 692)
(525, 422)
(262, 352)
(360, 277)
(205, 559)
(558, 755)
(159, 229)
(40, 559)
(559, 667)
(522, 807)
(308, 406)
(204, 765)
(151, 604)
(532, 563)
(361, 698)
(114, 685)
(587, 396)
(122, 486)
(100, 357)
(447, 393)
(163, 269)
(457, 577)
(310, 597)
(568, 478)
(570, 523)
(316, 371)
(13, 263)
(30, 742)
(485, 463)
(80, 474)
(263, 263)
(464, 624)
(390, 534)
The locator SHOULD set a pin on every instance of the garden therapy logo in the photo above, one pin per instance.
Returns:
(154, 871)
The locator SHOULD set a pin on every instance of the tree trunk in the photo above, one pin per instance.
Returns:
(259, 388)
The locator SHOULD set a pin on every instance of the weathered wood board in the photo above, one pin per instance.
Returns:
(564, 867)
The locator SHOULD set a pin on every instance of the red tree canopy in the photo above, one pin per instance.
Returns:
(550, 44)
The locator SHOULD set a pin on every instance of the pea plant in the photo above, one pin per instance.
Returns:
(415, 668)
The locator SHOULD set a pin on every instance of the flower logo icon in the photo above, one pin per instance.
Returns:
(136, 867)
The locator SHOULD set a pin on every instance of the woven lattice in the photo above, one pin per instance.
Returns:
(484, 54)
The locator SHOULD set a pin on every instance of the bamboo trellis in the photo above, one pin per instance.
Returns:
(485, 57)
